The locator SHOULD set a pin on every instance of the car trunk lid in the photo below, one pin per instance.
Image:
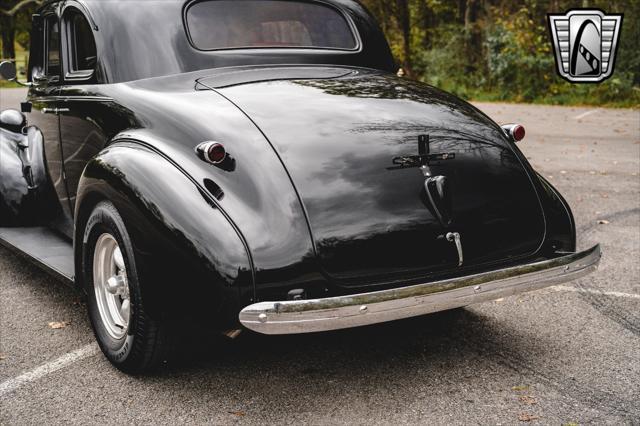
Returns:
(389, 170)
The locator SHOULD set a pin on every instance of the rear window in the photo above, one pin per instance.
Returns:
(234, 24)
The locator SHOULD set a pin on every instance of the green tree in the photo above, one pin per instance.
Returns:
(501, 49)
(13, 17)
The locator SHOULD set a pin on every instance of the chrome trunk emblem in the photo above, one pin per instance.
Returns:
(422, 159)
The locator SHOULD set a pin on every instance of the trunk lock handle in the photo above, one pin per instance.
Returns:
(455, 237)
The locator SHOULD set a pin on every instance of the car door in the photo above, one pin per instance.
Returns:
(46, 76)
(84, 107)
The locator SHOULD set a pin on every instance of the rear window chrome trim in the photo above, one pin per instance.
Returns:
(70, 75)
(342, 12)
(82, 8)
(82, 75)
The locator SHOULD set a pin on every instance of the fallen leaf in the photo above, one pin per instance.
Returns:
(58, 324)
(526, 399)
(526, 417)
(237, 413)
(499, 300)
(603, 222)
(520, 388)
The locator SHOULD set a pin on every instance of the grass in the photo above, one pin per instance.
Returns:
(4, 84)
(565, 99)
(613, 93)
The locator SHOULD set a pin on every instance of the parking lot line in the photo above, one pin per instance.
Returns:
(597, 292)
(48, 368)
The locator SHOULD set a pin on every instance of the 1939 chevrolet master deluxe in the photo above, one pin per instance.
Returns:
(259, 164)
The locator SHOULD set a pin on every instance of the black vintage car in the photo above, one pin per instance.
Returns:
(260, 164)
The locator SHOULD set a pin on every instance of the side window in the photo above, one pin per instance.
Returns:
(81, 43)
(81, 52)
(52, 51)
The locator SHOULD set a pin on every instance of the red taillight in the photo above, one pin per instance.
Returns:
(212, 152)
(518, 132)
(216, 153)
(514, 131)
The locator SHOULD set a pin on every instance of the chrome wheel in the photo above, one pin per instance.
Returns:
(111, 286)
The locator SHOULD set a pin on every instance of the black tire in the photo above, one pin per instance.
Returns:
(146, 344)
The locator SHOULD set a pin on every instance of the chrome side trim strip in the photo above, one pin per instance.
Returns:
(71, 98)
(333, 313)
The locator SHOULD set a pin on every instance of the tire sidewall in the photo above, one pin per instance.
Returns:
(105, 219)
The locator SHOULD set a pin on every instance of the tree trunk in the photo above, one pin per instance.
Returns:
(472, 35)
(462, 10)
(470, 14)
(429, 21)
(404, 21)
(8, 29)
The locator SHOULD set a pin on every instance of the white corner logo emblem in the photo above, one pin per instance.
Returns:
(585, 43)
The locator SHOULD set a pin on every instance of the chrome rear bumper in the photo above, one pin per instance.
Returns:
(332, 313)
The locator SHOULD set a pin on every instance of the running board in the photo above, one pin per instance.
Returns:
(43, 247)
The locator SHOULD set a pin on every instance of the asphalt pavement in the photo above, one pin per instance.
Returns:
(567, 354)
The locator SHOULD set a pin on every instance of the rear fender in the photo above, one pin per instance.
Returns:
(190, 257)
(561, 228)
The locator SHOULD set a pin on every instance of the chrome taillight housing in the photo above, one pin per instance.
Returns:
(515, 131)
(211, 152)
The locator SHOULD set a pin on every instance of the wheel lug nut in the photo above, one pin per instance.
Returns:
(115, 284)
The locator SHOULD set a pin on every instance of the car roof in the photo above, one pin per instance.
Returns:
(139, 39)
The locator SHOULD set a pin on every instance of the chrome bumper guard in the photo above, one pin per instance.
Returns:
(332, 313)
